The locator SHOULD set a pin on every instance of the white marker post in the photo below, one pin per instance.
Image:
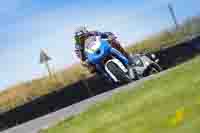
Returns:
(44, 59)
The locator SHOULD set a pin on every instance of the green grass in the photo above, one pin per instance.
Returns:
(168, 104)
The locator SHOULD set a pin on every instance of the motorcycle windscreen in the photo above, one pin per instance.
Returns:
(96, 50)
(92, 44)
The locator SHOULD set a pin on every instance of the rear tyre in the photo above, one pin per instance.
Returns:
(118, 73)
(154, 68)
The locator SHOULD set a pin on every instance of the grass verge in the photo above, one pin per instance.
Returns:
(168, 104)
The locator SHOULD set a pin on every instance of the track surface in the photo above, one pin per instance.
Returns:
(51, 119)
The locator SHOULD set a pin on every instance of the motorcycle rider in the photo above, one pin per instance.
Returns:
(81, 34)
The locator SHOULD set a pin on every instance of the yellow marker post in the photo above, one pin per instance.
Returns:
(178, 118)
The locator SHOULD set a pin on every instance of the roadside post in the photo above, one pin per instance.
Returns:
(44, 59)
(172, 13)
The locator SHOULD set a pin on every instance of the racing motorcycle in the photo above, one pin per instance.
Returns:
(109, 61)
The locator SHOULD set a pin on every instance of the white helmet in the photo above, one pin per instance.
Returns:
(81, 31)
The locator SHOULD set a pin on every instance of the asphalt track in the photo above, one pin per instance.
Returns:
(34, 126)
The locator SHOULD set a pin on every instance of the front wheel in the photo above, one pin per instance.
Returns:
(118, 72)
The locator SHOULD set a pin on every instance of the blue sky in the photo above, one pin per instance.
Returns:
(27, 26)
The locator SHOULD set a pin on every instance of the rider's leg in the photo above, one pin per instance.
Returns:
(120, 56)
(115, 44)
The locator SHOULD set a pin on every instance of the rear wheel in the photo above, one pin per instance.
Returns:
(154, 68)
(118, 72)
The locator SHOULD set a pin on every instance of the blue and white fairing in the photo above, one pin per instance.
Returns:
(96, 49)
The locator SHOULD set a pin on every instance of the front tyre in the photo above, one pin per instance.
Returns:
(118, 72)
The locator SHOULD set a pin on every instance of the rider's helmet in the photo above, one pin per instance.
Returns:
(80, 34)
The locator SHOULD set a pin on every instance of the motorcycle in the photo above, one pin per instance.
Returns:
(108, 60)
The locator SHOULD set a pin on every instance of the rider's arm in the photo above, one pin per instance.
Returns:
(104, 35)
(79, 50)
